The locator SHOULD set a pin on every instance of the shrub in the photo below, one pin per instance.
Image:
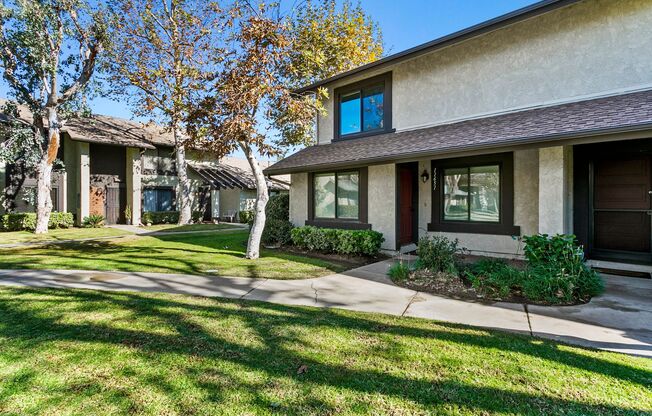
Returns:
(93, 221)
(277, 232)
(494, 277)
(246, 217)
(27, 221)
(557, 271)
(399, 271)
(197, 216)
(278, 207)
(330, 240)
(160, 217)
(437, 254)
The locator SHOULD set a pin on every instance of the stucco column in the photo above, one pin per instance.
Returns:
(2, 185)
(134, 186)
(555, 190)
(215, 204)
(84, 182)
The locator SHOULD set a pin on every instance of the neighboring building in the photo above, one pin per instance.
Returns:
(539, 121)
(110, 164)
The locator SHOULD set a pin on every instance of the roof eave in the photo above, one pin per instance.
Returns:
(456, 37)
(540, 140)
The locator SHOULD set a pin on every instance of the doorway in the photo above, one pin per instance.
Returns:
(407, 197)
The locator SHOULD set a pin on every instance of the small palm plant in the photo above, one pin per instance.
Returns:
(93, 221)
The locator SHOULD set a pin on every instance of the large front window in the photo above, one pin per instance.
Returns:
(472, 193)
(158, 199)
(337, 195)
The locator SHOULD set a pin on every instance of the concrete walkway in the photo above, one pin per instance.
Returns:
(619, 320)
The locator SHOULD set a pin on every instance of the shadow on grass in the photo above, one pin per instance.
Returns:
(180, 253)
(280, 339)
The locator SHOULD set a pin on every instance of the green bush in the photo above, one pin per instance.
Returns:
(437, 254)
(331, 240)
(246, 217)
(197, 216)
(93, 221)
(399, 271)
(278, 207)
(277, 232)
(494, 277)
(27, 221)
(556, 270)
(160, 217)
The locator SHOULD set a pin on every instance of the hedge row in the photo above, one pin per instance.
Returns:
(328, 240)
(27, 221)
(160, 217)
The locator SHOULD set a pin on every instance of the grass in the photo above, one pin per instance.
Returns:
(189, 227)
(58, 235)
(77, 352)
(219, 253)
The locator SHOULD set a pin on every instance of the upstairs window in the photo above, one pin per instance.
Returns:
(364, 108)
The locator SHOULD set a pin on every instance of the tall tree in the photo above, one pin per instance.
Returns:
(159, 56)
(252, 105)
(327, 40)
(49, 50)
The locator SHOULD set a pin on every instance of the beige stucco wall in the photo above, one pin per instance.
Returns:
(592, 48)
(299, 199)
(555, 190)
(229, 200)
(382, 202)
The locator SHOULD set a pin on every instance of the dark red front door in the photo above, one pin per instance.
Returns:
(621, 203)
(407, 220)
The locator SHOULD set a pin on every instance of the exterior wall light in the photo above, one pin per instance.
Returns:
(425, 176)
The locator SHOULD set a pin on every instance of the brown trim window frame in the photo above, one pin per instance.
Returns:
(505, 225)
(344, 223)
(384, 80)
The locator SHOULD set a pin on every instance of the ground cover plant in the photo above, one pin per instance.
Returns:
(220, 253)
(554, 272)
(88, 352)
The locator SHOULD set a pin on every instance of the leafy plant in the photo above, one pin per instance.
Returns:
(93, 221)
(331, 240)
(399, 271)
(437, 254)
(278, 207)
(27, 221)
(557, 271)
(277, 232)
(494, 277)
(245, 217)
(160, 217)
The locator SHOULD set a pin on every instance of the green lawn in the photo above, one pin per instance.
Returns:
(189, 227)
(219, 253)
(58, 235)
(76, 352)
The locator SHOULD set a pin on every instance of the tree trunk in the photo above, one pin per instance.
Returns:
(44, 173)
(183, 196)
(262, 196)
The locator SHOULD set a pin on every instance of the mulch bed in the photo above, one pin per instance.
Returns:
(347, 262)
(460, 288)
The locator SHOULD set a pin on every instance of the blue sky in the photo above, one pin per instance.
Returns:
(404, 24)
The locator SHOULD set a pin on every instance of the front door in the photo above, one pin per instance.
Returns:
(621, 207)
(407, 204)
(115, 204)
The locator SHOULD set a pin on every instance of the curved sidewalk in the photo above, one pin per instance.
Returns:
(619, 320)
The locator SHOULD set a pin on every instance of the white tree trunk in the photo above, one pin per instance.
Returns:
(183, 195)
(44, 173)
(262, 196)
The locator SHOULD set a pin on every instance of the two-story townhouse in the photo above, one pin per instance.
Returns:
(109, 165)
(538, 121)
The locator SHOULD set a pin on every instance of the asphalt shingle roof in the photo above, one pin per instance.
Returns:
(632, 111)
